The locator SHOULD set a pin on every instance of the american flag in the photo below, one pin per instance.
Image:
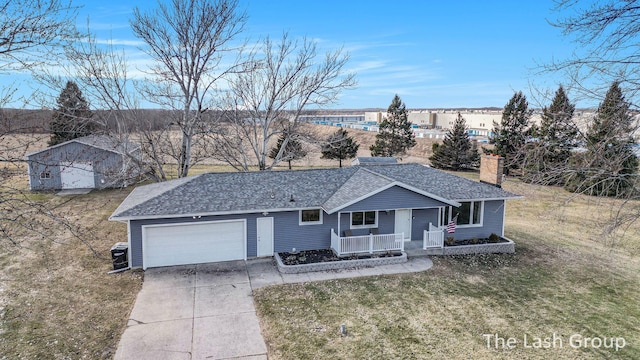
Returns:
(451, 226)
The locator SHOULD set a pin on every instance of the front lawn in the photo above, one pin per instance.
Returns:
(565, 283)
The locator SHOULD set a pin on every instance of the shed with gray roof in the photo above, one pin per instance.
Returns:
(229, 216)
(94, 162)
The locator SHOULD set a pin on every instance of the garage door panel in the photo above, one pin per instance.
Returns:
(76, 175)
(193, 243)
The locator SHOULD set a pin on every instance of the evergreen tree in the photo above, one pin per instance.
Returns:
(293, 150)
(557, 137)
(72, 118)
(509, 137)
(340, 146)
(395, 135)
(609, 165)
(457, 151)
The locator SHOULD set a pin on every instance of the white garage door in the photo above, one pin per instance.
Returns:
(193, 243)
(77, 175)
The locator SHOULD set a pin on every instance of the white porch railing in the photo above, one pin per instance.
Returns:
(433, 238)
(345, 245)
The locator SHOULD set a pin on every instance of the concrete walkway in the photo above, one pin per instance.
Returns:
(206, 311)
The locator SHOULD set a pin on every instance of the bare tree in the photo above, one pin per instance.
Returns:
(268, 95)
(31, 32)
(606, 49)
(188, 40)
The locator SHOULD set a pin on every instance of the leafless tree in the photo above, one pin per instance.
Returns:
(31, 32)
(607, 49)
(188, 40)
(276, 84)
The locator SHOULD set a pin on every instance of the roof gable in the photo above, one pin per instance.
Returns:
(103, 142)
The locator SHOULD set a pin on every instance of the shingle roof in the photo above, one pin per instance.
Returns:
(375, 160)
(103, 142)
(221, 193)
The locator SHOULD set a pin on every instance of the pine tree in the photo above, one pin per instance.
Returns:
(72, 118)
(609, 165)
(340, 146)
(395, 135)
(457, 151)
(557, 137)
(509, 137)
(293, 150)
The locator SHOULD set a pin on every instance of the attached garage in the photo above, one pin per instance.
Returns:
(193, 243)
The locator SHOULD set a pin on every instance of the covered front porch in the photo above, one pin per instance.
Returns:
(371, 232)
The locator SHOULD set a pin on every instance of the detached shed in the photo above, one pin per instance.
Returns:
(90, 162)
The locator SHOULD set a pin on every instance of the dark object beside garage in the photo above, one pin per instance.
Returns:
(119, 253)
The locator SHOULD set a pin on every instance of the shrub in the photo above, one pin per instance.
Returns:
(450, 240)
(494, 238)
(474, 240)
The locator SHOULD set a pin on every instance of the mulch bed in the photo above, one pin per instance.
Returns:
(324, 255)
(476, 242)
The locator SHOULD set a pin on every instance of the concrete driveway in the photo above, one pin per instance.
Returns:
(194, 312)
(206, 311)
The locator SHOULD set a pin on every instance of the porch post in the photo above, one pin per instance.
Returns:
(339, 224)
(370, 243)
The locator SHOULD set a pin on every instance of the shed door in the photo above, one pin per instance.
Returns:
(76, 175)
(193, 243)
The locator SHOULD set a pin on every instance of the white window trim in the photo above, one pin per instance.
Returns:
(466, 226)
(300, 222)
(351, 226)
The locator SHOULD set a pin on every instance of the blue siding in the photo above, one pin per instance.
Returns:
(288, 234)
(394, 198)
(492, 222)
(286, 230)
(107, 165)
(421, 220)
(386, 223)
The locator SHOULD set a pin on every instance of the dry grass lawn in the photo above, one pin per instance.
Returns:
(565, 279)
(56, 299)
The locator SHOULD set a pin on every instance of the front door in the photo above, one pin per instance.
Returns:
(265, 236)
(403, 223)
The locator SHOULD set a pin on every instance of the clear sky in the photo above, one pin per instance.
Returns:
(432, 53)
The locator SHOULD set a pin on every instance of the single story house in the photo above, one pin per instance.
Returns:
(228, 216)
(90, 162)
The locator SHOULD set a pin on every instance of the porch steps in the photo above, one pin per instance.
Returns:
(415, 253)
(414, 249)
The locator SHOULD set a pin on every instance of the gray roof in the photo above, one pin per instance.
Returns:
(330, 189)
(103, 142)
(375, 160)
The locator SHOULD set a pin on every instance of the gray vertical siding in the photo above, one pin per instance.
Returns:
(107, 165)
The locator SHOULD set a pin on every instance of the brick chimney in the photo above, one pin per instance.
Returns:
(491, 169)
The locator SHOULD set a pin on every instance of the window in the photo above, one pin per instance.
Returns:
(45, 175)
(469, 213)
(365, 219)
(311, 217)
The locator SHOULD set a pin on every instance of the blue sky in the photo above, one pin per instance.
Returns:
(434, 54)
